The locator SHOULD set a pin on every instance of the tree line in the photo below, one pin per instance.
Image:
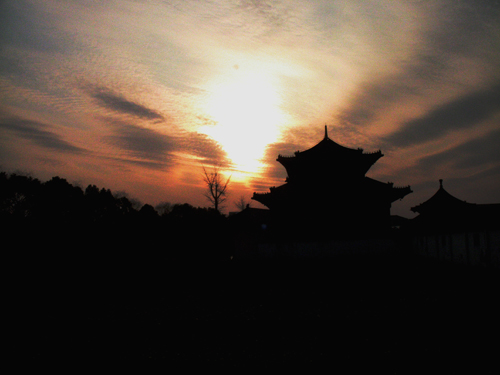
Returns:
(68, 217)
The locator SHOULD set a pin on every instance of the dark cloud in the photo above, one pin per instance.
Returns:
(461, 113)
(282, 148)
(40, 134)
(489, 174)
(13, 66)
(146, 145)
(269, 13)
(149, 164)
(376, 95)
(118, 103)
(371, 99)
(481, 187)
(17, 22)
(465, 32)
(300, 138)
(427, 67)
(150, 148)
(204, 147)
(274, 169)
(475, 153)
(463, 27)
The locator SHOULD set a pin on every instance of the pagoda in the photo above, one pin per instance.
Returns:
(444, 213)
(326, 190)
(450, 229)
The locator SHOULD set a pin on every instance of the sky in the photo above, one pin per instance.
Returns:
(137, 96)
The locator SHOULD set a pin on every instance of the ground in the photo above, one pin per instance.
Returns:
(398, 315)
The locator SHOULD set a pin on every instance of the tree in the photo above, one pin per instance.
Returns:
(163, 208)
(242, 203)
(216, 192)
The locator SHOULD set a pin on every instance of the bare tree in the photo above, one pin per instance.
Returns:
(216, 183)
(241, 203)
(163, 208)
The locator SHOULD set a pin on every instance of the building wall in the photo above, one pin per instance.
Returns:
(478, 248)
(315, 250)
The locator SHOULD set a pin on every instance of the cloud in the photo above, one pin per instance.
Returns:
(462, 27)
(154, 149)
(147, 145)
(457, 46)
(119, 104)
(17, 22)
(204, 147)
(149, 164)
(372, 97)
(269, 14)
(476, 153)
(282, 148)
(427, 69)
(40, 134)
(461, 113)
(275, 171)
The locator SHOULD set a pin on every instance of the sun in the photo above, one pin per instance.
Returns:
(247, 111)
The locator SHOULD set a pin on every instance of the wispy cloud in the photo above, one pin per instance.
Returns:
(40, 134)
(462, 113)
(451, 49)
(274, 171)
(141, 144)
(477, 153)
(154, 149)
(118, 103)
(203, 147)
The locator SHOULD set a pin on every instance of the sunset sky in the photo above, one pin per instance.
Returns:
(137, 95)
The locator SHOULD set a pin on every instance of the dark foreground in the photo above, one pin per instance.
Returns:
(396, 315)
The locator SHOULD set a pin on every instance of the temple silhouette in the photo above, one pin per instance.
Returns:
(327, 193)
(454, 230)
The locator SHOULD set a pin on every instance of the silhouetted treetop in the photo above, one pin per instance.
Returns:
(93, 219)
(18, 195)
(23, 197)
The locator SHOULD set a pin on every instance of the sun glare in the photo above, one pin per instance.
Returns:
(246, 109)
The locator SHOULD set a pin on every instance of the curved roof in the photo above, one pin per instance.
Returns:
(441, 200)
(444, 212)
(328, 151)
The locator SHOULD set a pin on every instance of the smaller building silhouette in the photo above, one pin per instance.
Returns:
(451, 229)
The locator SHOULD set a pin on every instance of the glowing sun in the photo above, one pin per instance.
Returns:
(246, 109)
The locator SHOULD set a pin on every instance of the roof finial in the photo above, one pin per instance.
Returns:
(441, 183)
(326, 132)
